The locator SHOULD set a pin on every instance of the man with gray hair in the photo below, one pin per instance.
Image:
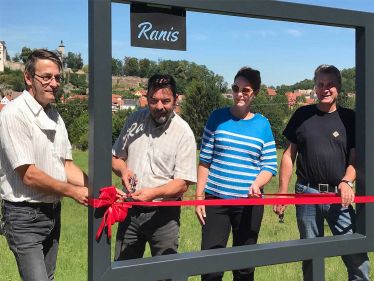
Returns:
(322, 137)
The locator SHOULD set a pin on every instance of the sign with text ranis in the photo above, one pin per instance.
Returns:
(161, 28)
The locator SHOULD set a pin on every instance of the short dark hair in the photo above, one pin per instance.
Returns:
(328, 69)
(253, 76)
(160, 81)
(40, 54)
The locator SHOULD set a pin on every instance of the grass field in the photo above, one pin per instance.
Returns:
(72, 258)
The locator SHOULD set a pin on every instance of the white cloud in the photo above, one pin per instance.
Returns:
(294, 32)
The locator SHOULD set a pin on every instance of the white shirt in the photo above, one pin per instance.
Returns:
(157, 154)
(31, 135)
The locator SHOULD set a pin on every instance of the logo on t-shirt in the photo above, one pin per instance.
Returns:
(335, 134)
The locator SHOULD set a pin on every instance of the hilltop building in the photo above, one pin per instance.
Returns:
(2, 55)
(61, 52)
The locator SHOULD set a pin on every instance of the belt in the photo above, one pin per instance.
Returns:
(143, 209)
(321, 187)
(38, 205)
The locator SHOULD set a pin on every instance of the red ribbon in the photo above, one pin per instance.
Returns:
(117, 211)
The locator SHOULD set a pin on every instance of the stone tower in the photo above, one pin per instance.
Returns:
(2, 55)
(61, 51)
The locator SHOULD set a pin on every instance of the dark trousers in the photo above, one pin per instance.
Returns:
(33, 233)
(158, 226)
(245, 223)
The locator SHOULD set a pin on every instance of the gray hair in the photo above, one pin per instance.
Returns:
(328, 69)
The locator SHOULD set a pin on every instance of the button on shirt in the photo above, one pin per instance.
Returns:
(157, 153)
(31, 135)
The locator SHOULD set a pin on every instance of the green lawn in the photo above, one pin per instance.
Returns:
(72, 259)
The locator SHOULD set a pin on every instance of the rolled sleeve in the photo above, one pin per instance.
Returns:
(185, 165)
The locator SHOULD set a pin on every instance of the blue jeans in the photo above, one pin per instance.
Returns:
(33, 234)
(341, 221)
(158, 226)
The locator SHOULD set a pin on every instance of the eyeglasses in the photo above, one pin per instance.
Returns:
(46, 79)
(245, 90)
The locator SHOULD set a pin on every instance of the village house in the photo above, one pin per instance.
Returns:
(8, 97)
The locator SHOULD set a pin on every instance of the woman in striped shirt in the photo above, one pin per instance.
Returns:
(237, 158)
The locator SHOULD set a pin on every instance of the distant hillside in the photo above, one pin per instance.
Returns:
(127, 82)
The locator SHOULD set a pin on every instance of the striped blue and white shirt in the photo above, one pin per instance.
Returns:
(237, 151)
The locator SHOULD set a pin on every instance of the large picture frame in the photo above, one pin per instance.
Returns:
(181, 266)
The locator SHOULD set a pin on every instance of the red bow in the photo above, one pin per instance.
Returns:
(115, 212)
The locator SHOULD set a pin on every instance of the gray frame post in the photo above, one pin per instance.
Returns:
(100, 129)
(364, 128)
(318, 269)
(179, 266)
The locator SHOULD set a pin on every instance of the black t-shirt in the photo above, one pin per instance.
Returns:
(323, 141)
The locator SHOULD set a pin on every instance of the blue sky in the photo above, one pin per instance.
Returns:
(284, 52)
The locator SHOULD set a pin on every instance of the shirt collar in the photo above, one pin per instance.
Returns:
(43, 121)
(162, 127)
(34, 106)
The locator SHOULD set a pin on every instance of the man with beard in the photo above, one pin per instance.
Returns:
(322, 136)
(36, 159)
(155, 156)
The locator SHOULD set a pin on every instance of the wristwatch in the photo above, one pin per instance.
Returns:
(348, 182)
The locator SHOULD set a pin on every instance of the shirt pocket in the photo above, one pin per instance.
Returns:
(163, 162)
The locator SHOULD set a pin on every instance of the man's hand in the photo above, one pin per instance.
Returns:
(121, 195)
(279, 209)
(144, 195)
(347, 194)
(80, 194)
(126, 177)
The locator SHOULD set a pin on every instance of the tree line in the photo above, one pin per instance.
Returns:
(71, 60)
(201, 87)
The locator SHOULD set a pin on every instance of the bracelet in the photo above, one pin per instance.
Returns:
(200, 196)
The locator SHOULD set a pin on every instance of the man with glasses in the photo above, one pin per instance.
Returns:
(37, 162)
(155, 156)
(322, 136)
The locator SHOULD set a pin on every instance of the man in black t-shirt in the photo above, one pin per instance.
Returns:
(322, 136)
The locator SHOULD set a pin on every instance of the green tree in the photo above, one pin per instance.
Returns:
(79, 132)
(13, 79)
(131, 66)
(25, 54)
(117, 67)
(303, 85)
(79, 81)
(348, 80)
(202, 97)
(16, 57)
(276, 110)
(282, 89)
(74, 61)
(147, 68)
(72, 110)
(118, 120)
(346, 101)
